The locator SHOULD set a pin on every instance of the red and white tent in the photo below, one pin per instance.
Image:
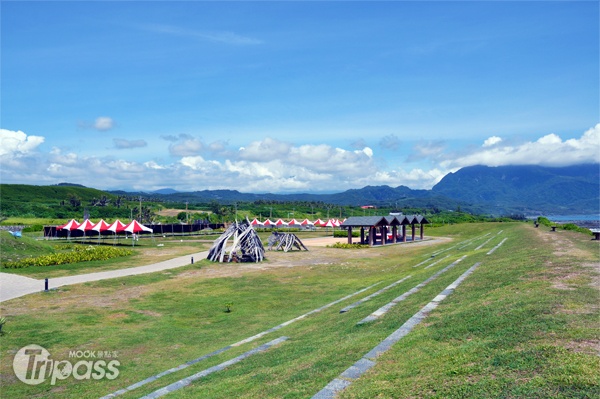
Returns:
(294, 222)
(330, 223)
(268, 223)
(280, 222)
(86, 226)
(71, 225)
(116, 226)
(256, 223)
(319, 222)
(307, 222)
(136, 227)
(100, 226)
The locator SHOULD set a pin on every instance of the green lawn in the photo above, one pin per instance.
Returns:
(525, 324)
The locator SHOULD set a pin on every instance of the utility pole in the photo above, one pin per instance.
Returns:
(186, 213)
(140, 217)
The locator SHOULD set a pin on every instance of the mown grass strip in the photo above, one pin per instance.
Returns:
(436, 262)
(254, 337)
(491, 251)
(373, 295)
(471, 241)
(488, 240)
(188, 380)
(164, 373)
(369, 360)
(219, 351)
(384, 309)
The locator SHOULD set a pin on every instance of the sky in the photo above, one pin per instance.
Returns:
(289, 97)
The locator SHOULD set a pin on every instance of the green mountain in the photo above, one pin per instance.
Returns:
(476, 189)
(525, 189)
(54, 201)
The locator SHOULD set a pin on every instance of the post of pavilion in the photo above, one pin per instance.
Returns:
(413, 231)
(349, 234)
(422, 232)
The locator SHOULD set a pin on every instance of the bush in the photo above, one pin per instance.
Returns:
(347, 246)
(33, 228)
(78, 254)
(344, 233)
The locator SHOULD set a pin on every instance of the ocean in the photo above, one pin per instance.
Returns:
(586, 221)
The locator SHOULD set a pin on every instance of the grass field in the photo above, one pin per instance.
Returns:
(524, 324)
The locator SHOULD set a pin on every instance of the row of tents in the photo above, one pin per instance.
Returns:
(134, 227)
(295, 223)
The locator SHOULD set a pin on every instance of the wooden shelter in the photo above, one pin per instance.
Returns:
(382, 230)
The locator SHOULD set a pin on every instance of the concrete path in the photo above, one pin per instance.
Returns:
(14, 286)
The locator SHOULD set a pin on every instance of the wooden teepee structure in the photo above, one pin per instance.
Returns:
(245, 246)
(285, 241)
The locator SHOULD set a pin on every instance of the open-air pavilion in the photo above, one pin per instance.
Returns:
(382, 230)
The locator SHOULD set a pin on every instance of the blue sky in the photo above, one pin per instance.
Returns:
(293, 96)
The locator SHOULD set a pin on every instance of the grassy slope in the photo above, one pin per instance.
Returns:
(12, 248)
(506, 332)
(524, 325)
(146, 251)
(48, 194)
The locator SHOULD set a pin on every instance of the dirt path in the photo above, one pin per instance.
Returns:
(563, 244)
(14, 287)
(318, 254)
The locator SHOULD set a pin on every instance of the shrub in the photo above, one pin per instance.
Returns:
(344, 233)
(78, 254)
(33, 228)
(347, 246)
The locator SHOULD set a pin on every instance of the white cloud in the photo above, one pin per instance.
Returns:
(153, 165)
(427, 149)
(492, 141)
(271, 165)
(549, 150)
(264, 150)
(214, 36)
(390, 142)
(122, 144)
(185, 146)
(17, 144)
(104, 123)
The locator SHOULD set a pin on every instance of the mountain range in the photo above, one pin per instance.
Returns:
(497, 190)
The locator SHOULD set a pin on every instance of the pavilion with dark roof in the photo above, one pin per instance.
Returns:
(382, 230)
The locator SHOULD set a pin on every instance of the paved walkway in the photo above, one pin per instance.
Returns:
(14, 286)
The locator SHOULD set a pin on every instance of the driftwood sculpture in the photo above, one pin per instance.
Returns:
(285, 241)
(246, 245)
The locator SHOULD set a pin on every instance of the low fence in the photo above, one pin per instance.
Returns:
(160, 229)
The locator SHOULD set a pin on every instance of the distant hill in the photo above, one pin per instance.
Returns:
(70, 185)
(165, 191)
(525, 189)
(476, 189)
(50, 201)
